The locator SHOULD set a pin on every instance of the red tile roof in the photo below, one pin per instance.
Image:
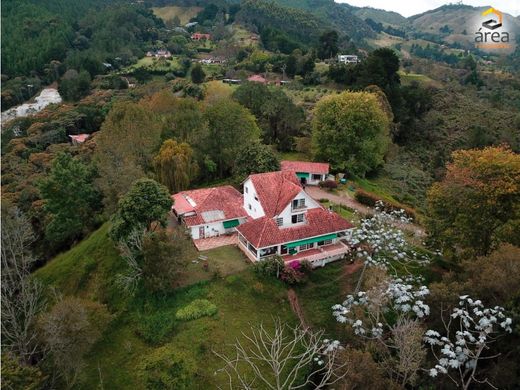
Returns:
(264, 232)
(209, 205)
(275, 190)
(80, 138)
(257, 78)
(304, 166)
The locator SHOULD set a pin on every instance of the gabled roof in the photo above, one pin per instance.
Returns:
(265, 232)
(304, 166)
(275, 190)
(209, 205)
(80, 138)
(257, 78)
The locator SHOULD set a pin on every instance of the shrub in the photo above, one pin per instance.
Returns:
(155, 327)
(166, 368)
(370, 199)
(196, 309)
(292, 275)
(328, 184)
(269, 267)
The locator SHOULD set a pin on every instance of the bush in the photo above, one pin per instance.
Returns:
(155, 327)
(292, 273)
(370, 199)
(196, 309)
(269, 267)
(328, 184)
(166, 368)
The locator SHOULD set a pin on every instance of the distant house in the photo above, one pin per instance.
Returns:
(309, 173)
(232, 81)
(159, 54)
(191, 24)
(78, 139)
(209, 212)
(200, 36)
(256, 78)
(348, 59)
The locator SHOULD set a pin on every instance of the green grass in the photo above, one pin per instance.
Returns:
(183, 13)
(294, 156)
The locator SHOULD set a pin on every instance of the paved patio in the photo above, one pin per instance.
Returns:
(317, 254)
(204, 244)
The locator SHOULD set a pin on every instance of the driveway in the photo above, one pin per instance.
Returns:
(317, 193)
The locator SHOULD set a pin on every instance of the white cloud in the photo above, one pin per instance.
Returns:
(409, 8)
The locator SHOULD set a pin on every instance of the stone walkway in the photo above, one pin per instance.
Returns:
(204, 244)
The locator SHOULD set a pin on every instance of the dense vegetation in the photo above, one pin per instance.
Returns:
(100, 288)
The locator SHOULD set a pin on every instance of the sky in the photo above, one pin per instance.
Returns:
(413, 7)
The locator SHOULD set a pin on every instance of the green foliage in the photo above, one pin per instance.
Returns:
(73, 86)
(166, 368)
(196, 309)
(18, 376)
(165, 257)
(228, 122)
(350, 130)
(175, 165)
(197, 74)
(279, 118)
(255, 158)
(270, 267)
(370, 199)
(70, 199)
(155, 327)
(145, 203)
(328, 46)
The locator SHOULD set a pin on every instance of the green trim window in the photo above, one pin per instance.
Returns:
(311, 240)
(231, 223)
(302, 175)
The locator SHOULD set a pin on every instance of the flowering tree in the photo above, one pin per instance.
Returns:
(469, 332)
(288, 358)
(399, 335)
(380, 243)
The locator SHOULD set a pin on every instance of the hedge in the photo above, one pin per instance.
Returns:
(196, 309)
(370, 199)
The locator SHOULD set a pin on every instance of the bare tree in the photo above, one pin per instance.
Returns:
(286, 358)
(131, 251)
(22, 296)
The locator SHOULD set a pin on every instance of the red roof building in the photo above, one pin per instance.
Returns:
(79, 138)
(310, 173)
(199, 36)
(256, 78)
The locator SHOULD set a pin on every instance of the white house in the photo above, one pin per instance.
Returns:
(348, 59)
(286, 221)
(309, 173)
(209, 212)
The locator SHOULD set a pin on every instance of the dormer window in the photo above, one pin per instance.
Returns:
(298, 204)
(297, 218)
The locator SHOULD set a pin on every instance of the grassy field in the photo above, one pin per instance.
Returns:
(144, 322)
(156, 64)
(183, 13)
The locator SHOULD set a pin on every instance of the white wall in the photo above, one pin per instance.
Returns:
(315, 182)
(212, 229)
(287, 212)
(252, 205)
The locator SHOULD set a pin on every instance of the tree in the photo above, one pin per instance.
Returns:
(477, 204)
(468, 332)
(69, 198)
(255, 158)
(328, 46)
(20, 376)
(70, 329)
(165, 257)
(129, 137)
(146, 203)
(228, 122)
(350, 130)
(73, 86)
(175, 166)
(286, 358)
(22, 296)
(197, 74)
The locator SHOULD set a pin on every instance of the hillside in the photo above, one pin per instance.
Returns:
(386, 17)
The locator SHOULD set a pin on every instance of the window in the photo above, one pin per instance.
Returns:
(306, 246)
(256, 198)
(298, 204)
(246, 189)
(279, 221)
(249, 206)
(325, 242)
(316, 177)
(297, 218)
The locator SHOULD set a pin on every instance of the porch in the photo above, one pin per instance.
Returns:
(321, 255)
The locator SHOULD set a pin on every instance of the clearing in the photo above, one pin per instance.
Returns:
(183, 13)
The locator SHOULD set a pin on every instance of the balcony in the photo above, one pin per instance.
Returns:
(320, 256)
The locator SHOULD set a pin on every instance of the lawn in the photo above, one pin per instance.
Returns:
(156, 64)
(183, 13)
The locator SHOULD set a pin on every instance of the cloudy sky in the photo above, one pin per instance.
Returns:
(413, 7)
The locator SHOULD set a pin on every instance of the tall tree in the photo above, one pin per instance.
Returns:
(350, 131)
(69, 198)
(197, 74)
(128, 139)
(175, 165)
(146, 203)
(477, 205)
(230, 126)
(328, 46)
(255, 158)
